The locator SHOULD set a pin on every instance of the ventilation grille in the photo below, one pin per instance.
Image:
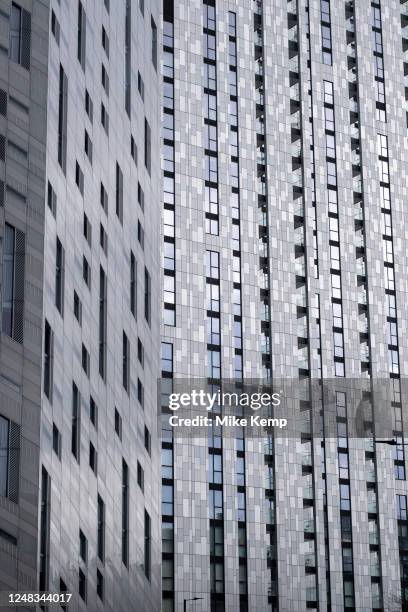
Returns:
(2, 147)
(18, 328)
(3, 102)
(14, 462)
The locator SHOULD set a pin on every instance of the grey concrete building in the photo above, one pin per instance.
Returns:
(80, 334)
(284, 236)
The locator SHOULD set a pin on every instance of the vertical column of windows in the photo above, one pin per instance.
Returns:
(325, 24)
(125, 513)
(215, 463)
(334, 236)
(62, 119)
(391, 305)
(404, 44)
(363, 304)
(45, 512)
(378, 54)
(12, 299)
(167, 480)
(128, 57)
(402, 521)
(345, 501)
(103, 292)
(169, 246)
(235, 192)
(210, 118)
(264, 288)
(309, 127)
(299, 131)
(263, 271)
(237, 313)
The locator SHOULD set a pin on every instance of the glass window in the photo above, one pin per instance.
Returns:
(167, 500)
(216, 541)
(15, 33)
(4, 450)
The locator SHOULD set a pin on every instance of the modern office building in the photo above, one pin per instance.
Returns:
(284, 240)
(80, 344)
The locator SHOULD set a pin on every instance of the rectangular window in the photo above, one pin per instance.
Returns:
(104, 198)
(140, 85)
(52, 199)
(20, 36)
(59, 277)
(119, 193)
(48, 360)
(105, 41)
(15, 33)
(128, 58)
(88, 105)
(140, 476)
(147, 146)
(133, 285)
(87, 230)
(147, 544)
(45, 512)
(126, 362)
(81, 41)
(133, 149)
(140, 235)
(76, 422)
(118, 424)
(62, 119)
(86, 272)
(4, 456)
(79, 178)
(93, 412)
(93, 458)
(140, 352)
(88, 147)
(105, 80)
(86, 360)
(402, 507)
(104, 119)
(103, 296)
(13, 283)
(125, 513)
(77, 308)
(103, 239)
(83, 546)
(99, 585)
(82, 584)
(147, 295)
(154, 42)
(56, 441)
(140, 392)
(101, 529)
(147, 439)
(140, 196)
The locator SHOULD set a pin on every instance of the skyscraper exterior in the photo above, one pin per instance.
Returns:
(284, 239)
(79, 343)
(270, 246)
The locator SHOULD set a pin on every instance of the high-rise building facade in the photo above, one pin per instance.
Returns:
(79, 343)
(284, 238)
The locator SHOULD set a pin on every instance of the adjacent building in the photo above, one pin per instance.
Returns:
(79, 343)
(284, 237)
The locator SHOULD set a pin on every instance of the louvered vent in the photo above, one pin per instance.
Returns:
(14, 461)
